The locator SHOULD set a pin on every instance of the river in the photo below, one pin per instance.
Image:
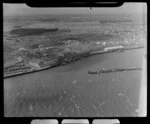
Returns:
(69, 91)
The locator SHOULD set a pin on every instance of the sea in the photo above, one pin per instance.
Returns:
(69, 91)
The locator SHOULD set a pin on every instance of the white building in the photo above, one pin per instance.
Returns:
(104, 43)
(112, 48)
(67, 49)
(35, 63)
(98, 42)
(19, 58)
(22, 49)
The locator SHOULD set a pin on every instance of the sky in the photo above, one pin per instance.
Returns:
(23, 9)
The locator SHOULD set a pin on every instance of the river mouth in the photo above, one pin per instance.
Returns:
(69, 91)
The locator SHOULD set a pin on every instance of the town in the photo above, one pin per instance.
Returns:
(39, 56)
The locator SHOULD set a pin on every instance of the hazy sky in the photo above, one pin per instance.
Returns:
(21, 9)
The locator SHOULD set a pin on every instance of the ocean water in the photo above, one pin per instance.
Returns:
(69, 91)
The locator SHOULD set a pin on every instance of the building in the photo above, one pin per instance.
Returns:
(60, 54)
(51, 62)
(10, 62)
(112, 48)
(19, 58)
(104, 43)
(67, 49)
(22, 49)
(98, 42)
(36, 63)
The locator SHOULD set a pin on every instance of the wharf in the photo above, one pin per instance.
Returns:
(113, 70)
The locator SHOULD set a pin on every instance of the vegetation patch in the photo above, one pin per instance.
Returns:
(31, 31)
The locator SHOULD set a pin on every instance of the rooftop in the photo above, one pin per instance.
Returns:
(35, 60)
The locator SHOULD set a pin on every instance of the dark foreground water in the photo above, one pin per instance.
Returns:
(70, 91)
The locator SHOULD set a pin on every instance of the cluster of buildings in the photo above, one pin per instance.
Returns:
(72, 48)
(113, 48)
(48, 52)
(36, 63)
(71, 41)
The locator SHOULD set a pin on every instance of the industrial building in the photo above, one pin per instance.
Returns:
(36, 63)
(112, 48)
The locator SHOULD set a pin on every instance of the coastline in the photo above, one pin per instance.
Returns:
(90, 53)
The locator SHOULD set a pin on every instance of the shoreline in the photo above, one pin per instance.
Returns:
(91, 53)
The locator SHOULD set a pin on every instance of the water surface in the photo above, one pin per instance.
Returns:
(69, 91)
